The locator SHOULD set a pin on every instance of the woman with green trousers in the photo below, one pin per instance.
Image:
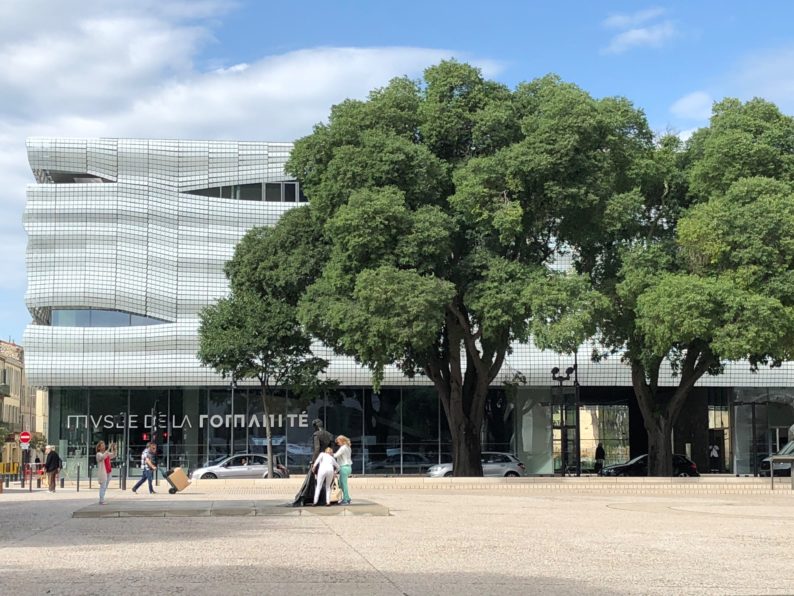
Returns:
(344, 457)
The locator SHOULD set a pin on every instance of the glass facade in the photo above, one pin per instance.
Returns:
(401, 430)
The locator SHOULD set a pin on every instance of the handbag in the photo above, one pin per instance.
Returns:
(336, 493)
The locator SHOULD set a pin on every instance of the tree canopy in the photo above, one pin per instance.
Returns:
(437, 211)
(697, 264)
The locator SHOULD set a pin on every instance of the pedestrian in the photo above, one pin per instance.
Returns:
(52, 466)
(324, 468)
(600, 456)
(714, 454)
(104, 457)
(148, 466)
(344, 457)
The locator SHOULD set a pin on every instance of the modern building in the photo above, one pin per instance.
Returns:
(127, 243)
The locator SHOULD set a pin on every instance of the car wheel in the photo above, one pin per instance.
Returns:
(683, 475)
(511, 475)
(448, 474)
(276, 474)
(208, 476)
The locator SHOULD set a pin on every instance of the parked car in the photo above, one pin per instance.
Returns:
(244, 465)
(412, 463)
(682, 466)
(493, 464)
(782, 468)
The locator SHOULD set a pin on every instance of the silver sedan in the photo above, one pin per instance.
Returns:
(493, 464)
(246, 465)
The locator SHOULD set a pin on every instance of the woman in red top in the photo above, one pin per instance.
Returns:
(103, 459)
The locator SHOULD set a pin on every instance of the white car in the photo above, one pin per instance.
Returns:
(493, 464)
(245, 465)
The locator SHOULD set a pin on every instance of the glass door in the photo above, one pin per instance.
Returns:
(564, 418)
(751, 437)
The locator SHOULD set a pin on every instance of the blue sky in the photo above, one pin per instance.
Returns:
(269, 70)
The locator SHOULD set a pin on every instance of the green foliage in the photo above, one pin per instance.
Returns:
(281, 261)
(443, 202)
(437, 209)
(567, 310)
(681, 309)
(251, 337)
(742, 141)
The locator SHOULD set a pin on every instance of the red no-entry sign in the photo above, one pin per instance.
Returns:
(24, 437)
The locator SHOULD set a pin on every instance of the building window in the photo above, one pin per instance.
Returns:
(274, 192)
(97, 317)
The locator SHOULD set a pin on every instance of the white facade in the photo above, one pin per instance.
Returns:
(112, 226)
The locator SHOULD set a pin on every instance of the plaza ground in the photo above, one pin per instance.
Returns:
(461, 537)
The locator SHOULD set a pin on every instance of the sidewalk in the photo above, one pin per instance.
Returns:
(493, 538)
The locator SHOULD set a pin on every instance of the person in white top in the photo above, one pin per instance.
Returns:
(103, 468)
(344, 456)
(325, 467)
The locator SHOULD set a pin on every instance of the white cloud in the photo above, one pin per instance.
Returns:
(652, 36)
(120, 68)
(768, 74)
(625, 21)
(694, 106)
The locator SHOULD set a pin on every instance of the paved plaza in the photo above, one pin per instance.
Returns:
(575, 536)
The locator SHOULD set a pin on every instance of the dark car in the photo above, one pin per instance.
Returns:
(682, 466)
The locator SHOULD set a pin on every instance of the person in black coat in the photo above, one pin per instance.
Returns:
(52, 465)
(600, 456)
(322, 439)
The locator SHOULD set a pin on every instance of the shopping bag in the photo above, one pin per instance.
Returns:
(336, 493)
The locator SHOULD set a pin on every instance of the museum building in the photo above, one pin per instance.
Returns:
(127, 240)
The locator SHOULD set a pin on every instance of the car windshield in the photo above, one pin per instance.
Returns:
(216, 461)
(636, 459)
(788, 449)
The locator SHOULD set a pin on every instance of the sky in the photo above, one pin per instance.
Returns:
(267, 70)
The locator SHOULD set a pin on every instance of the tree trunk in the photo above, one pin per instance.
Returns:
(268, 433)
(660, 446)
(660, 409)
(462, 390)
(466, 444)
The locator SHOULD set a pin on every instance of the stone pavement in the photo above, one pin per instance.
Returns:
(477, 538)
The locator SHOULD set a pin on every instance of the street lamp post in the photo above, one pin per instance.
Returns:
(559, 378)
(231, 430)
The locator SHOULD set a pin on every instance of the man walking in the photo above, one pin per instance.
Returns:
(52, 465)
(148, 466)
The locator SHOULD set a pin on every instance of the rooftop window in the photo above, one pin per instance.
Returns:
(98, 317)
(272, 192)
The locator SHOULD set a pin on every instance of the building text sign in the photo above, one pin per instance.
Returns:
(162, 421)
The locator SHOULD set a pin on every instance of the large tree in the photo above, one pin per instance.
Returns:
(437, 210)
(696, 261)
